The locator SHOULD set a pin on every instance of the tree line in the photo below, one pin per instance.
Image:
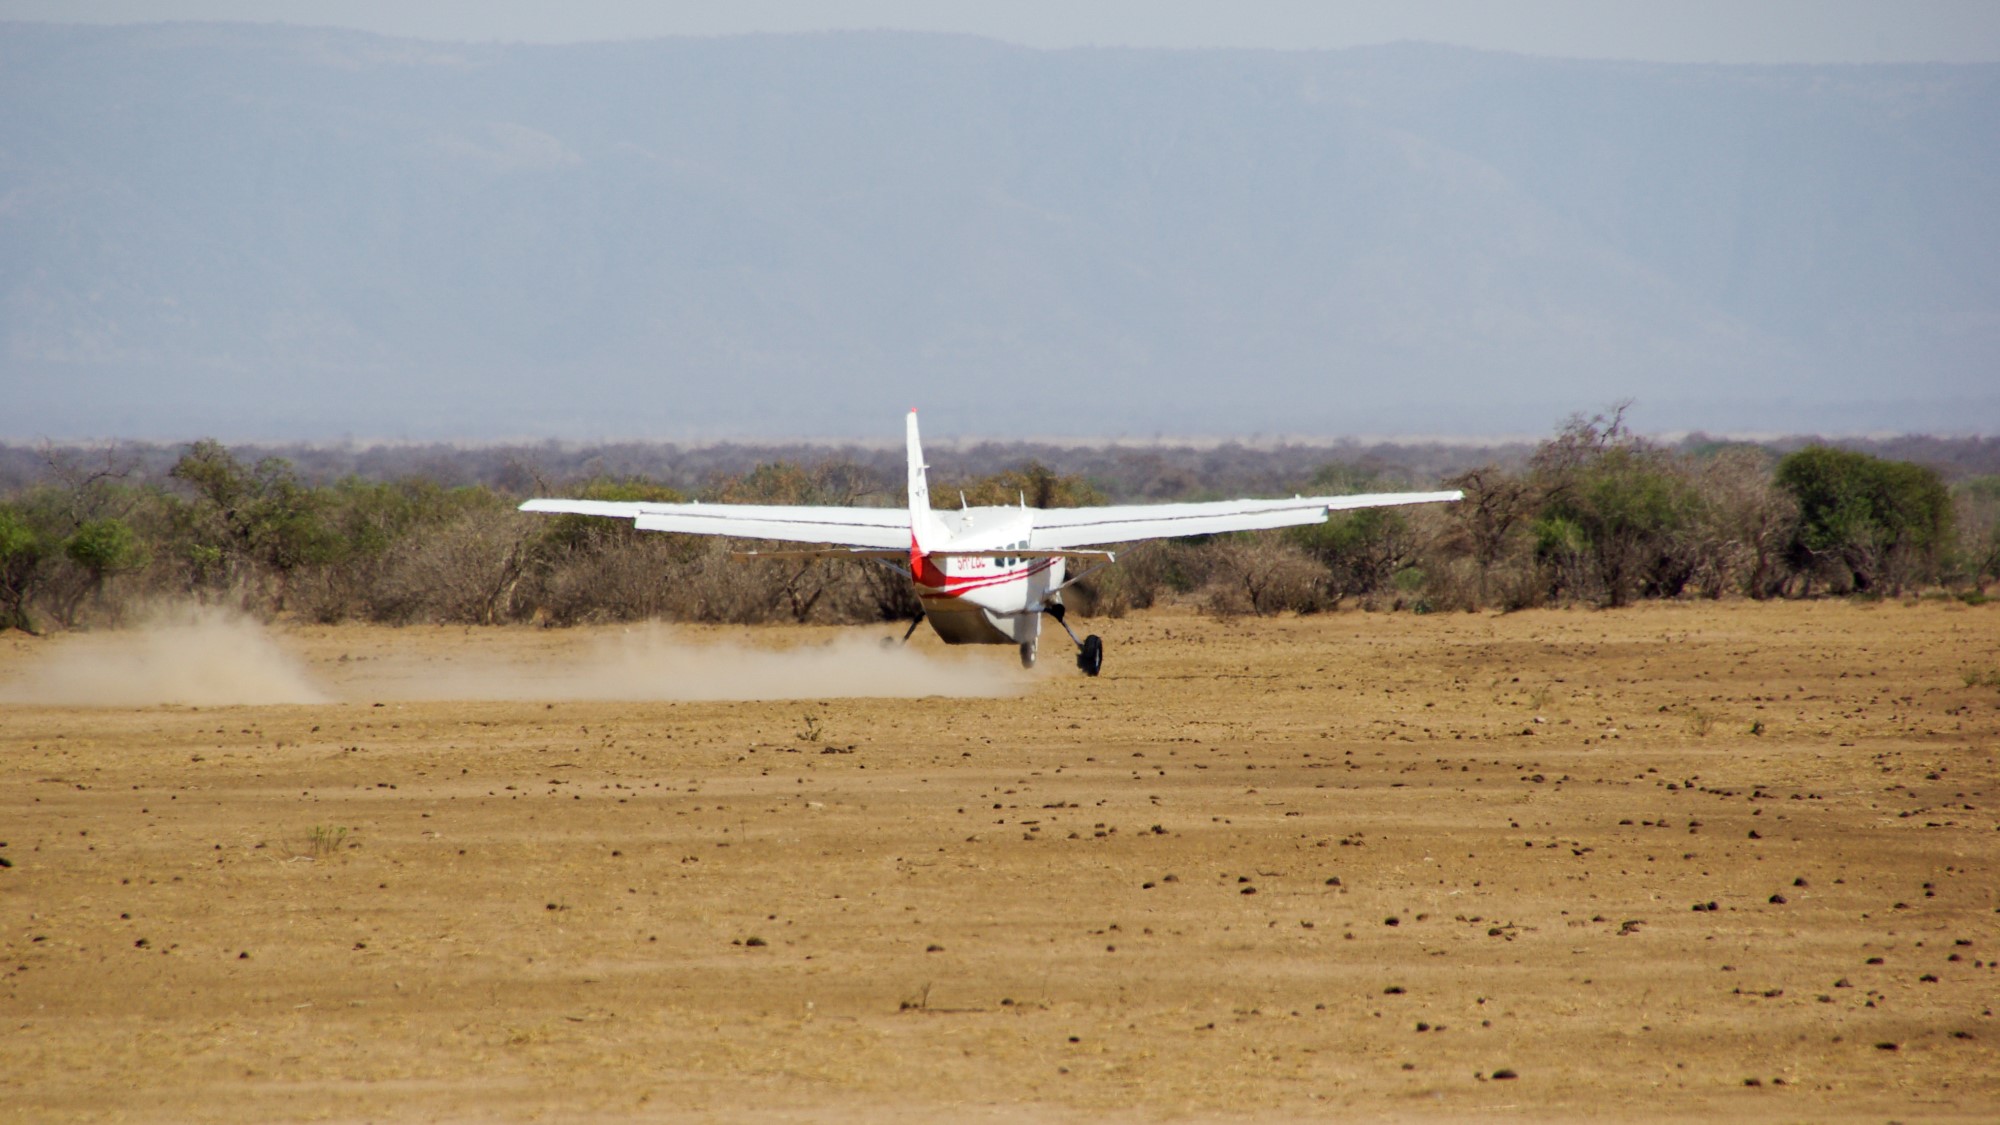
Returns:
(1594, 515)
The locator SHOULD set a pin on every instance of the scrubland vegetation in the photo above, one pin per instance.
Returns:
(1595, 515)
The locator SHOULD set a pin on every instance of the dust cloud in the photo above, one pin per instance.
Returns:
(206, 657)
(198, 656)
(652, 663)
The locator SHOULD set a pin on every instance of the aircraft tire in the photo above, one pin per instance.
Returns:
(1090, 658)
(1028, 655)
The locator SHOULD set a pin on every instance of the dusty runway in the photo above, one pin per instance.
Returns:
(1674, 862)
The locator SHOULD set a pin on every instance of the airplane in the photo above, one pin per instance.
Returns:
(985, 575)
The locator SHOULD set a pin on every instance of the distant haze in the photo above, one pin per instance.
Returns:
(1692, 31)
(272, 232)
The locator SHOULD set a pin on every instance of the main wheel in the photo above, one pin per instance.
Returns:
(1090, 657)
(1028, 655)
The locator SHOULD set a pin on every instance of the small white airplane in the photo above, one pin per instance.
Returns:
(984, 576)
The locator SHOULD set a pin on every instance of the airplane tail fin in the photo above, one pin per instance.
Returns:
(923, 526)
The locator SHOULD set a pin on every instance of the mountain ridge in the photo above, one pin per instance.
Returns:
(274, 232)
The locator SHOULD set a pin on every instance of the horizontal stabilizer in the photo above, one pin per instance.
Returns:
(898, 557)
(1021, 553)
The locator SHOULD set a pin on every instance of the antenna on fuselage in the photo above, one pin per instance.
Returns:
(961, 500)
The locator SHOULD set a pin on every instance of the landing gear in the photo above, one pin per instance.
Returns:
(1028, 655)
(914, 622)
(1089, 650)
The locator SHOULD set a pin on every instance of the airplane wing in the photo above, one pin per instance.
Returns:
(886, 528)
(1060, 528)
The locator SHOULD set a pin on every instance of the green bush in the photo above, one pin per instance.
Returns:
(1615, 514)
(1866, 524)
(22, 552)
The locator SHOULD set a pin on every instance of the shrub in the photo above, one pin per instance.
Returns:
(1359, 551)
(465, 572)
(22, 552)
(1261, 573)
(1864, 523)
(1614, 514)
(1487, 525)
(1742, 527)
(1976, 513)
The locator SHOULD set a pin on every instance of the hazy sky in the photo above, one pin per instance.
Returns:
(1729, 31)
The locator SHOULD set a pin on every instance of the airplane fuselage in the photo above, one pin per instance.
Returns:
(985, 599)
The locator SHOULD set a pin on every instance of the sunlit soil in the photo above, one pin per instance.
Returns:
(1673, 862)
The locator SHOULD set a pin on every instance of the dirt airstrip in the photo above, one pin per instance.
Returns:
(1673, 862)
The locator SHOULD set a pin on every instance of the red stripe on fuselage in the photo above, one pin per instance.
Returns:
(953, 585)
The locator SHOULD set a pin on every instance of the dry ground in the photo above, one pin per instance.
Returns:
(1674, 862)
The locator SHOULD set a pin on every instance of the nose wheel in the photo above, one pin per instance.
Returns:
(1089, 650)
(914, 622)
